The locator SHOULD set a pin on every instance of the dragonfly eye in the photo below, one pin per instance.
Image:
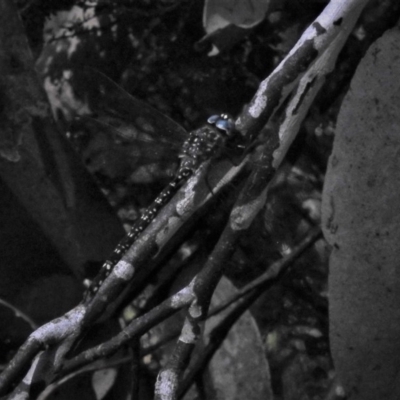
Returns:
(213, 119)
(223, 122)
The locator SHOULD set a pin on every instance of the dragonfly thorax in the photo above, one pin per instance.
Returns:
(207, 142)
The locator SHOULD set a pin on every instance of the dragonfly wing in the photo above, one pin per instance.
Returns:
(131, 118)
(121, 133)
(106, 152)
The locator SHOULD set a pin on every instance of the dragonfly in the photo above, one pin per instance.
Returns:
(132, 119)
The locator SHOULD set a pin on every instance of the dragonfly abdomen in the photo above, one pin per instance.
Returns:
(138, 227)
(201, 145)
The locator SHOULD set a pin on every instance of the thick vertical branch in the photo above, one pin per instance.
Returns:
(247, 207)
(337, 19)
(312, 81)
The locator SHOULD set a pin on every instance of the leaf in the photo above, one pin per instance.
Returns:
(361, 210)
(239, 369)
(219, 14)
(102, 381)
(227, 22)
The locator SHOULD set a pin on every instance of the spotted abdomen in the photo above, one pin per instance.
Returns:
(202, 144)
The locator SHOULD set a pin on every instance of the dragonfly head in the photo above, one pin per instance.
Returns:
(223, 122)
